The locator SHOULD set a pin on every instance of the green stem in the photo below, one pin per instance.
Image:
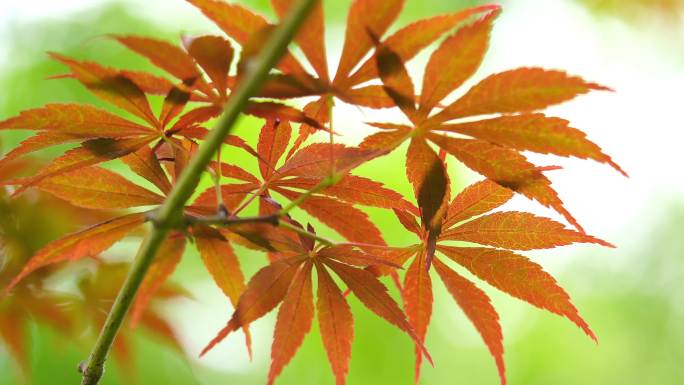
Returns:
(220, 220)
(171, 211)
(273, 219)
(325, 183)
(217, 183)
(331, 104)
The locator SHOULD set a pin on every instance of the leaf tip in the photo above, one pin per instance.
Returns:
(618, 168)
(220, 336)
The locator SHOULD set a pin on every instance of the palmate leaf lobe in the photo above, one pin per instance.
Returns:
(110, 86)
(517, 231)
(466, 215)
(288, 280)
(336, 324)
(294, 321)
(79, 120)
(518, 90)
(455, 61)
(477, 307)
(534, 132)
(476, 199)
(494, 157)
(519, 277)
(417, 296)
(98, 188)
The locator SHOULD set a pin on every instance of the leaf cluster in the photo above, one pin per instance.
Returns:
(488, 129)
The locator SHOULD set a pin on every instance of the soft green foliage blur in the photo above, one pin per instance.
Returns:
(635, 308)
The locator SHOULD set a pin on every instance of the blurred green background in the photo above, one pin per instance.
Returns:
(631, 296)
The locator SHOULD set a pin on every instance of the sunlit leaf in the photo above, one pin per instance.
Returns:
(519, 277)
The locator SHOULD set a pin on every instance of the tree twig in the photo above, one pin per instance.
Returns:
(222, 220)
(171, 211)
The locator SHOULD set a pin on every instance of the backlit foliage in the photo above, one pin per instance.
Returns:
(488, 130)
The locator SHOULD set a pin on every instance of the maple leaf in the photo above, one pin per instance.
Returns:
(494, 148)
(347, 85)
(305, 169)
(105, 136)
(288, 281)
(213, 56)
(467, 218)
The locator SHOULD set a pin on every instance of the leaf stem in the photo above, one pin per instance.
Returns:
(331, 104)
(305, 233)
(217, 183)
(171, 211)
(325, 183)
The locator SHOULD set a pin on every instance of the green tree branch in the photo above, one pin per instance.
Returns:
(171, 211)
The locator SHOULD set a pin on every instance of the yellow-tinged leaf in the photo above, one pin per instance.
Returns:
(372, 96)
(478, 308)
(111, 86)
(79, 120)
(313, 161)
(89, 153)
(455, 61)
(506, 167)
(223, 266)
(518, 90)
(476, 199)
(221, 262)
(350, 222)
(386, 140)
(98, 188)
(518, 231)
(534, 132)
(365, 16)
(145, 163)
(411, 39)
(519, 277)
(353, 189)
